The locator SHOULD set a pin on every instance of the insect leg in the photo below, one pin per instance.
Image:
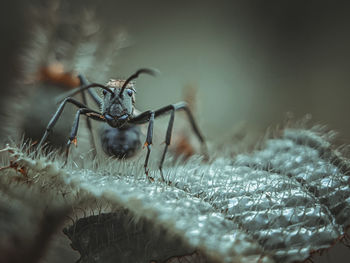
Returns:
(144, 117)
(148, 142)
(147, 116)
(56, 116)
(167, 141)
(97, 100)
(172, 108)
(183, 106)
(74, 131)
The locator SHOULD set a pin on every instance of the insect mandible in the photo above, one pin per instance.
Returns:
(118, 111)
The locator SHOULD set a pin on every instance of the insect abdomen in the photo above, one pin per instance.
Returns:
(121, 143)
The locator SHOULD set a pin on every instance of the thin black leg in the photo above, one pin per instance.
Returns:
(167, 141)
(204, 148)
(84, 82)
(148, 142)
(57, 115)
(145, 117)
(182, 106)
(74, 131)
(89, 126)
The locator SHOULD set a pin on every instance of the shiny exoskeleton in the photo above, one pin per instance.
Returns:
(122, 137)
(123, 141)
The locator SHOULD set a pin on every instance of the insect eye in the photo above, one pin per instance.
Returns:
(104, 92)
(130, 92)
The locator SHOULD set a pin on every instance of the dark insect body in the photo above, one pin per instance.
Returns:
(122, 137)
(122, 142)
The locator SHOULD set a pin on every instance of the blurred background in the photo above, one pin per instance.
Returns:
(252, 63)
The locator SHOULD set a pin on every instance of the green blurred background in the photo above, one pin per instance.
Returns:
(252, 61)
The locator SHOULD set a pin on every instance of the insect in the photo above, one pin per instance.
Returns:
(118, 111)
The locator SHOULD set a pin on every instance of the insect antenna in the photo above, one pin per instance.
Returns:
(80, 89)
(136, 75)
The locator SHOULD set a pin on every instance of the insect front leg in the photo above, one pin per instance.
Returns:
(167, 141)
(56, 116)
(98, 102)
(73, 135)
(172, 108)
(184, 106)
(147, 116)
(148, 142)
